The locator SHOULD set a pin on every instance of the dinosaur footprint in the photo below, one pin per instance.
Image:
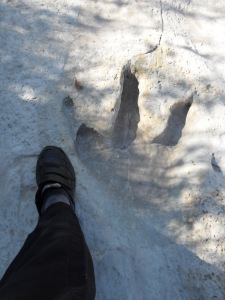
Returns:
(130, 170)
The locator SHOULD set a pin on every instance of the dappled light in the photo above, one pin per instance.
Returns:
(134, 92)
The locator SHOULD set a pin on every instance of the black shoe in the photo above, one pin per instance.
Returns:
(54, 166)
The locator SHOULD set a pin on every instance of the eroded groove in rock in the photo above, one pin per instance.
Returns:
(215, 165)
(176, 122)
(162, 30)
(88, 142)
(128, 117)
(68, 110)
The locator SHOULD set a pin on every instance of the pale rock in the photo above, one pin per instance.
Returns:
(145, 134)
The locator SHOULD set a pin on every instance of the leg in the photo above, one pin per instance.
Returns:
(54, 263)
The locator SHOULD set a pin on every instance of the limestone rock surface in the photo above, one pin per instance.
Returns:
(133, 91)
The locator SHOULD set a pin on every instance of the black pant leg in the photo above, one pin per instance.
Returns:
(54, 263)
